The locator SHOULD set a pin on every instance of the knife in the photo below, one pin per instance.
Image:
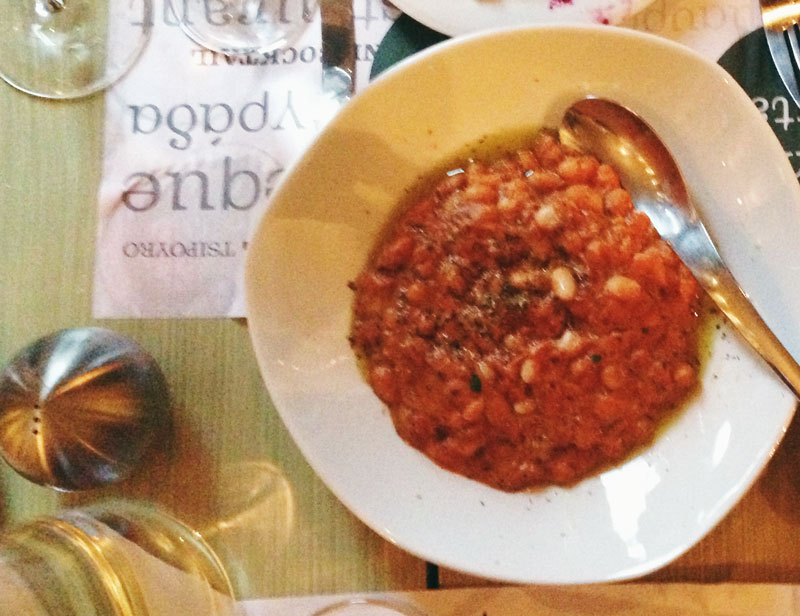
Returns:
(779, 18)
(338, 48)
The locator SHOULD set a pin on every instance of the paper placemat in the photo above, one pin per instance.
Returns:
(195, 142)
(602, 600)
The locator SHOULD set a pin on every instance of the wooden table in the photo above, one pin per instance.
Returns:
(226, 427)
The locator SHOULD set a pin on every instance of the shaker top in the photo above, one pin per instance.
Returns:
(80, 407)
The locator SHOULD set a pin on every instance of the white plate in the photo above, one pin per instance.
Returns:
(454, 17)
(325, 217)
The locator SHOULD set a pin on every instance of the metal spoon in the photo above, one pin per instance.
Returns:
(619, 137)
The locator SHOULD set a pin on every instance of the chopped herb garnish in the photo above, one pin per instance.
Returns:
(475, 383)
(595, 357)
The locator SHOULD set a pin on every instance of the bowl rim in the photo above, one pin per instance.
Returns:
(397, 72)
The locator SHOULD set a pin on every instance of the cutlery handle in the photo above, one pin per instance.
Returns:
(338, 47)
(734, 303)
(697, 250)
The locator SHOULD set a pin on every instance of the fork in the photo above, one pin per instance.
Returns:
(781, 18)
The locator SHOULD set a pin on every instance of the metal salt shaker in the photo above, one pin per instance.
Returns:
(80, 407)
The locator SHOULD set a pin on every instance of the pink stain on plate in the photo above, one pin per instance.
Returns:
(611, 13)
(600, 16)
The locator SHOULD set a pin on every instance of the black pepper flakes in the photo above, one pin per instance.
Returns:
(475, 383)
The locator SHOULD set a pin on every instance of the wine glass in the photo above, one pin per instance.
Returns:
(244, 26)
(64, 49)
(110, 558)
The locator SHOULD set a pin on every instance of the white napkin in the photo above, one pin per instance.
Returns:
(709, 27)
(194, 144)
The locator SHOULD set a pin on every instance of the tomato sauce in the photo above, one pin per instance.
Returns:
(523, 323)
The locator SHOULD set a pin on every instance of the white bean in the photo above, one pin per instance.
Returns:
(547, 217)
(527, 370)
(569, 341)
(622, 287)
(485, 371)
(524, 407)
(563, 283)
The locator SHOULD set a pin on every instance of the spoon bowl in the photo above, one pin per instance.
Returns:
(616, 135)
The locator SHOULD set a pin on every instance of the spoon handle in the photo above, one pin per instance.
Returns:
(700, 255)
(737, 307)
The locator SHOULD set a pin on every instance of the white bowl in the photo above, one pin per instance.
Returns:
(330, 207)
